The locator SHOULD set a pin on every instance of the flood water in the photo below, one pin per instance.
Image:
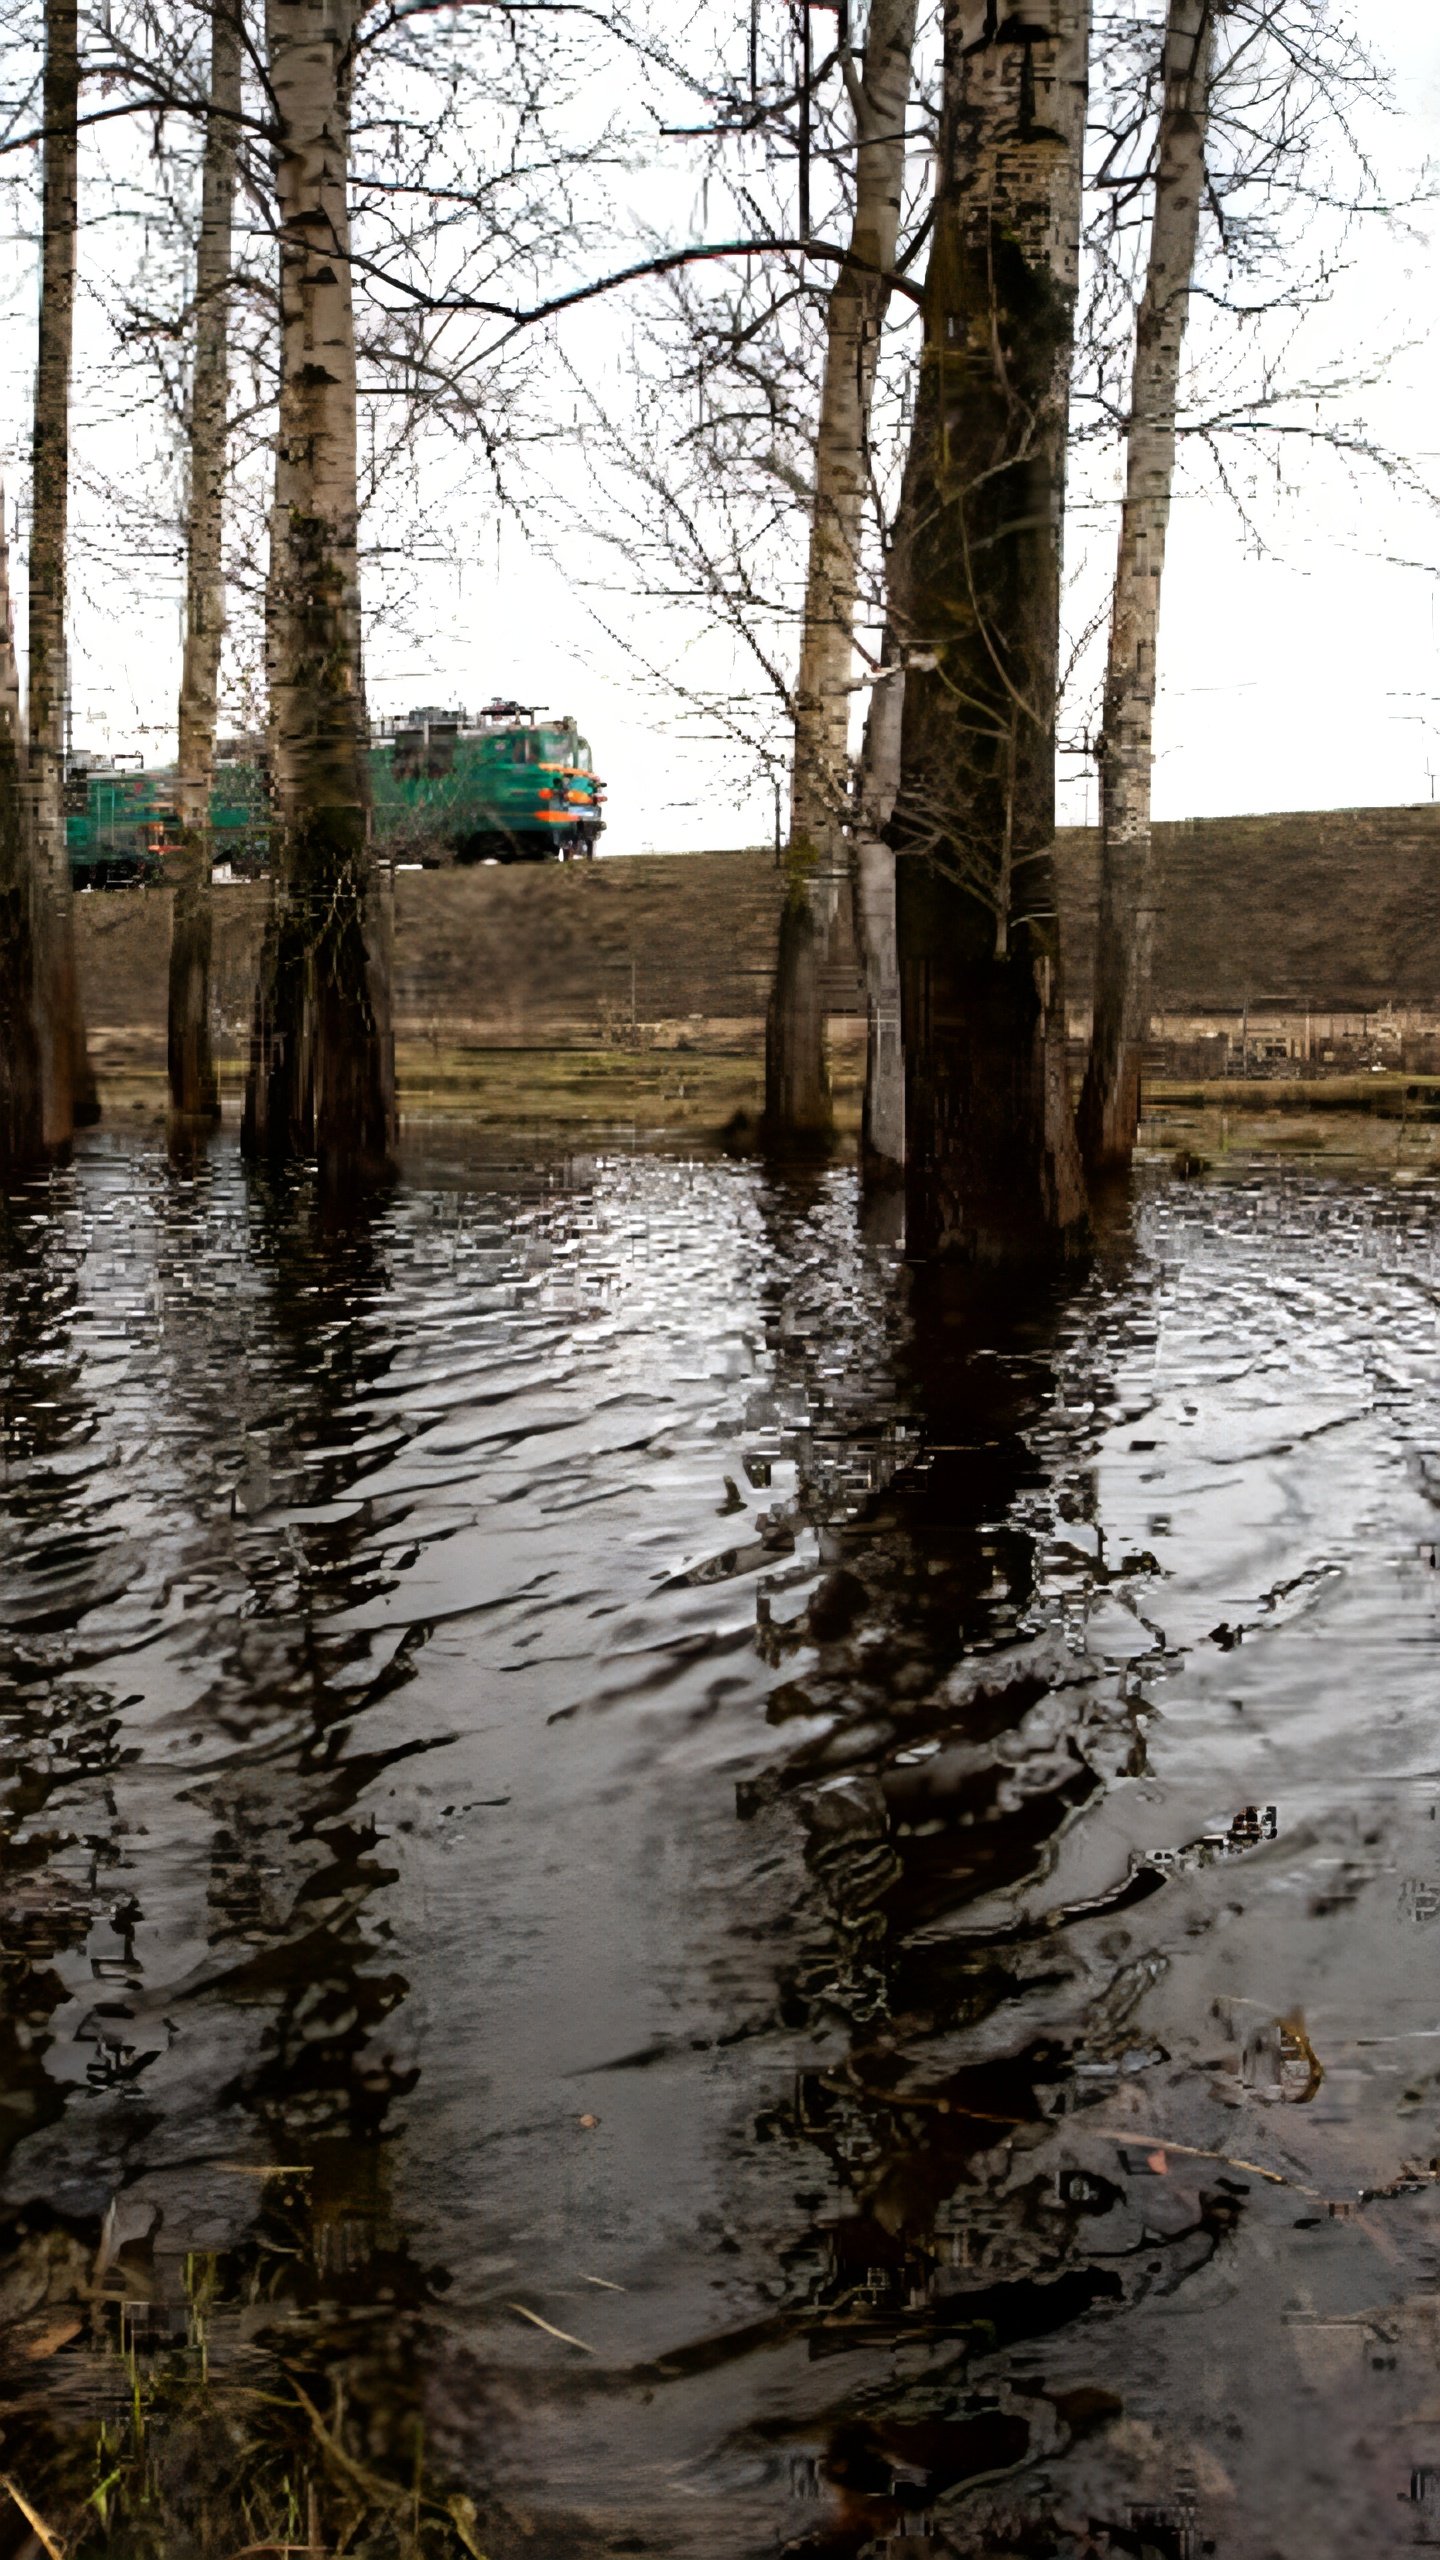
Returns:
(654, 1901)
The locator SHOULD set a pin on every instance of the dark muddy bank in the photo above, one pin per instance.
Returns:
(653, 1902)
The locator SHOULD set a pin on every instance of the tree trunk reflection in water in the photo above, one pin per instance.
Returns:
(756, 1754)
(959, 1740)
(43, 1415)
(265, 2385)
(951, 1738)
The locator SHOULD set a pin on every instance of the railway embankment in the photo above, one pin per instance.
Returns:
(1300, 947)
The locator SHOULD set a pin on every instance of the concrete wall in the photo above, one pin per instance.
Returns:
(1337, 912)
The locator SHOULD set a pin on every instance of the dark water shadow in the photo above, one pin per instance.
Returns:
(963, 1741)
(216, 2321)
(791, 2065)
(949, 1740)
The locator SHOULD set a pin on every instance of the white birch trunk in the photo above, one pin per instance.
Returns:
(69, 1083)
(193, 1093)
(797, 1090)
(1125, 947)
(322, 1076)
(22, 1124)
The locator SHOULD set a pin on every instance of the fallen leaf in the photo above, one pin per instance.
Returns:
(462, 2514)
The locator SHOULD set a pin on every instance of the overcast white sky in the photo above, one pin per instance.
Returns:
(1311, 678)
(1297, 672)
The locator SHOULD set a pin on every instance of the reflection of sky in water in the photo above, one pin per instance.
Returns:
(682, 1804)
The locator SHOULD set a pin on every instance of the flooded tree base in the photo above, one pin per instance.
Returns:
(657, 1898)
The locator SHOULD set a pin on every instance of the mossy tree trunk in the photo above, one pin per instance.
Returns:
(992, 1162)
(22, 1106)
(193, 1091)
(797, 1087)
(1125, 946)
(322, 1076)
(69, 1083)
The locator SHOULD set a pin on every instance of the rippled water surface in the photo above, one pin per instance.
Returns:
(651, 1901)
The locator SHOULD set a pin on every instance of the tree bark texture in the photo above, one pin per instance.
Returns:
(797, 1087)
(22, 1110)
(322, 1073)
(1125, 946)
(69, 1083)
(194, 1094)
(882, 1128)
(992, 1161)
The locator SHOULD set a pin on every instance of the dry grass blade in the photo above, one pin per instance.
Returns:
(550, 2329)
(37, 2525)
(1142, 2141)
(462, 2515)
(266, 2168)
(383, 2493)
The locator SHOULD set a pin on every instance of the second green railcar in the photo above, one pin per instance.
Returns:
(503, 786)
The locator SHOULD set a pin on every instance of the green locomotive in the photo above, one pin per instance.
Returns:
(503, 786)
(116, 824)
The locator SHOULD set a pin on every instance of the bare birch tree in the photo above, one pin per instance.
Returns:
(193, 1091)
(797, 1086)
(69, 1084)
(992, 1164)
(322, 1074)
(1124, 959)
(22, 1117)
(1250, 130)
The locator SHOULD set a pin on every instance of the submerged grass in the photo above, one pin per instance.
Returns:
(649, 1090)
(255, 2424)
(669, 1081)
(1211, 1134)
(1387, 1091)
